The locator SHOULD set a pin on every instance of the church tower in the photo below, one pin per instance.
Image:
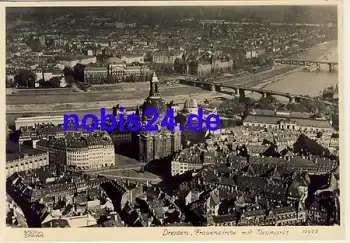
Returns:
(154, 101)
(154, 85)
(163, 142)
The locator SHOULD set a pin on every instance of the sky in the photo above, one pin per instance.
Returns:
(298, 14)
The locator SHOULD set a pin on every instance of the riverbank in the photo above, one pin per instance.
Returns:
(82, 109)
(129, 96)
(284, 81)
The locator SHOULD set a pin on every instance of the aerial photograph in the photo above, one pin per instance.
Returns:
(172, 116)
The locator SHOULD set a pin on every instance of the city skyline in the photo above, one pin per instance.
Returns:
(318, 14)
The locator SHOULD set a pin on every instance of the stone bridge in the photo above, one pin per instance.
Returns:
(241, 91)
(305, 63)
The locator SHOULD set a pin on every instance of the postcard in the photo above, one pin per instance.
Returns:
(233, 113)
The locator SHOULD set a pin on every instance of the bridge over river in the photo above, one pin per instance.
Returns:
(306, 63)
(241, 90)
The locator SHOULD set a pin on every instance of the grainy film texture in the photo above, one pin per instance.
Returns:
(269, 72)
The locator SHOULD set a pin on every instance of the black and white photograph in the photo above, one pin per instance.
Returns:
(164, 116)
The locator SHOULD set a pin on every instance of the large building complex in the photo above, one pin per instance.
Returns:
(286, 121)
(82, 152)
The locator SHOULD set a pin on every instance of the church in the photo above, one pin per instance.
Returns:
(162, 143)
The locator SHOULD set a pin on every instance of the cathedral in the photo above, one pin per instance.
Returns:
(158, 144)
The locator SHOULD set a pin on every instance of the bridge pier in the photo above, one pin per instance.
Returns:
(20, 143)
(211, 87)
(331, 67)
(318, 65)
(291, 99)
(217, 88)
(241, 94)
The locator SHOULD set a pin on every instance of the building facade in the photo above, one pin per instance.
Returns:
(33, 121)
(72, 61)
(292, 124)
(81, 152)
(27, 161)
(186, 161)
(95, 75)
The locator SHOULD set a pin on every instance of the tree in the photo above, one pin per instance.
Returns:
(68, 71)
(55, 82)
(249, 102)
(148, 57)
(267, 104)
(70, 80)
(10, 83)
(79, 72)
(25, 78)
(310, 105)
(240, 108)
(296, 107)
(262, 61)
(270, 62)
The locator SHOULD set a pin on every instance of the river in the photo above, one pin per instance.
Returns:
(295, 82)
(308, 83)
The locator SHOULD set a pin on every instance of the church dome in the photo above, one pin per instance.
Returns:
(155, 103)
(190, 104)
(113, 60)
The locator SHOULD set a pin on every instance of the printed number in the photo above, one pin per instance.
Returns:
(33, 234)
(150, 127)
(310, 232)
(169, 120)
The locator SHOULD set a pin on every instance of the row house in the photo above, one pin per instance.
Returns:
(133, 58)
(166, 57)
(284, 216)
(185, 161)
(253, 217)
(274, 122)
(38, 133)
(56, 191)
(165, 61)
(73, 61)
(25, 162)
(206, 68)
(34, 121)
(95, 75)
(222, 220)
